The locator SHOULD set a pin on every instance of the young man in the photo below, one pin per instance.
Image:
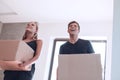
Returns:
(75, 45)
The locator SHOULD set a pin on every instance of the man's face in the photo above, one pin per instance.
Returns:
(73, 29)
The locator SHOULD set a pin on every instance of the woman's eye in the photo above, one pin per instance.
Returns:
(33, 24)
(30, 24)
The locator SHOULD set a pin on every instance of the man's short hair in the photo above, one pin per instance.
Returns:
(74, 22)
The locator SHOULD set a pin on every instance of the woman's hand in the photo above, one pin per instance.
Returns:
(24, 66)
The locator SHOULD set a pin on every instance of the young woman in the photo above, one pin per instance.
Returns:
(30, 37)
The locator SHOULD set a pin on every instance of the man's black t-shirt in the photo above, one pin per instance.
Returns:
(80, 47)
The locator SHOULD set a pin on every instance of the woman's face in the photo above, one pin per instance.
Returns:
(31, 27)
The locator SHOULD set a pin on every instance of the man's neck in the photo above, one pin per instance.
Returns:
(73, 40)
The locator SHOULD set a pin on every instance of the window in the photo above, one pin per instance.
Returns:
(99, 47)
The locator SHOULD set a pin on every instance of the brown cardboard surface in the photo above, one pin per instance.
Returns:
(79, 67)
(15, 50)
(11, 50)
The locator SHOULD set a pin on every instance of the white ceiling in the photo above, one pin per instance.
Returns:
(45, 11)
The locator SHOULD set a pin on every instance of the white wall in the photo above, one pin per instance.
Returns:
(49, 31)
(115, 72)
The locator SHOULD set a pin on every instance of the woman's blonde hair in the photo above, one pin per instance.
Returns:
(35, 37)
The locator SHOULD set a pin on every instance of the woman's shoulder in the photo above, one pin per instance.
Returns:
(39, 41)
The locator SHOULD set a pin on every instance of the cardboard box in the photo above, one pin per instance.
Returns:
(15, 50)
(79, 67)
